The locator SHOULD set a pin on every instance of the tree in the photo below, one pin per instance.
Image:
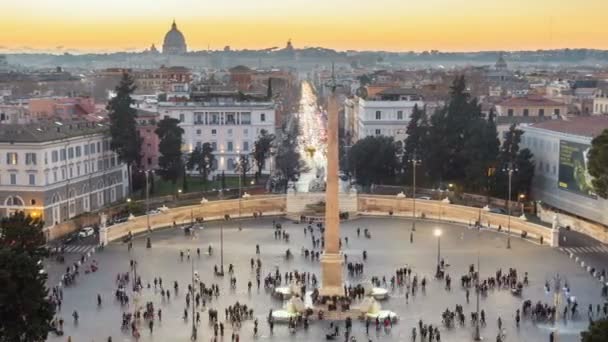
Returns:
(23, 233)
(521, 161)
(244, 166)
(261, 151)
(598, 161)
(597, 332)
(482, 153)
(126, 141)
(373, 160)
(201, 159)
(170, 160)
(288, 161)
(26, 312)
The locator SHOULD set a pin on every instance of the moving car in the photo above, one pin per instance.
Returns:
(86, 232)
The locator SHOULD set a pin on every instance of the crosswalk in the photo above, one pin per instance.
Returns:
(80, 249)
(587, 249)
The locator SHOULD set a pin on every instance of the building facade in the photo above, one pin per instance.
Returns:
(600, 101)
(231, 127)
(531, 106)
(57, 170)
(388, 113)
(561, 179)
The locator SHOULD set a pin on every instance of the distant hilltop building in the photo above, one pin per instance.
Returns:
(174, 43)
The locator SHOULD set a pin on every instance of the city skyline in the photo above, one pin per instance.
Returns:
(392, 25)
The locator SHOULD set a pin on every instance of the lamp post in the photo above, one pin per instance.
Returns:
(477, 336)
(437, 233)
(193, 337)
(509, 169)
(415, 161)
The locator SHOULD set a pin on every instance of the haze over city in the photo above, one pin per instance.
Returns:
(392, 25)
(303, 170)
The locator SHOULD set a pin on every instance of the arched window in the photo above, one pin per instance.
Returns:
(14, 201)
(56, 208)
(71, 203)
(86, 206)
(100, 194)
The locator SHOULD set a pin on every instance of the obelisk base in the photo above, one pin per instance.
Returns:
(331, 269)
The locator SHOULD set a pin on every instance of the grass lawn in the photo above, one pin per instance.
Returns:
(195, 184)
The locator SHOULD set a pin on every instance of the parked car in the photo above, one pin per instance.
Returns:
(426, 198)
(153, 211)
(498, 211)
(86, 232)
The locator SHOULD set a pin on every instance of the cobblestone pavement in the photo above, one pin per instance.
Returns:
(388, 249)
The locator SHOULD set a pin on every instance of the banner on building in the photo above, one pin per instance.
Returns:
(573, 174)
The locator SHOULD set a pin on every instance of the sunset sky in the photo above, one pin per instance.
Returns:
(398, 25)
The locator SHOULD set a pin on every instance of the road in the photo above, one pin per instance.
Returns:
(588, 250)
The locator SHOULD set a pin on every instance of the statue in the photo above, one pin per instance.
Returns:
(555, 224)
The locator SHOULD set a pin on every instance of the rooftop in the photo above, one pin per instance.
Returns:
(529, 101)
(586, 126)
(47, 131)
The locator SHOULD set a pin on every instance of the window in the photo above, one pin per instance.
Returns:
(12, 158)
(70, 153)
(230, 119)
(231, 165)
(526, 111)
(229, 146)
(510, 112)
(149, 161)
(86, 149)
(245, 118)
(215, 118)
(54, 176)
(54, 156)
(213, 131)
(71, 172)
(198, 132)
(99, 147)
(214, 145)
(78, 151)
(378, 115)
(399, 115)
(378, 132)
(92, 148)
(541, 112)
(181, 118)
(229, 131)
(30, 159)
(77, 170)
(263, 117)
(32, 179)
(62, 155)
(14, 201)
(199, 118)
(556, 111)
(245, 145)
(245, 131)
(13, 179)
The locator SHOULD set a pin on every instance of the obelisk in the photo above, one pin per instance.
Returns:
(331, 261)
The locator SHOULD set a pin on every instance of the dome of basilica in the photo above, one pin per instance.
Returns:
(174, 43)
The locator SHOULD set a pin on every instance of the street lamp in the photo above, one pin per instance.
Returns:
(415, 161)
(477, 336)
(509, 169)
(437, 233)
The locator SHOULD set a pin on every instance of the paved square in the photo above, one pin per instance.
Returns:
(388, 249)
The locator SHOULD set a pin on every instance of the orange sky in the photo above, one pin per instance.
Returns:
(399, 25)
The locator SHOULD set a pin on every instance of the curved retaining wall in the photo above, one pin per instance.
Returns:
(213, 210)
(382, 205)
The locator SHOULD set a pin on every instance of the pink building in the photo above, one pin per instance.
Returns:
(146, 125)
(64, 107)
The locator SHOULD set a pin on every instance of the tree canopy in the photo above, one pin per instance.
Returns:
(597, 332)
(26, 312)
(261, 150)
(373, 160)
(170, 160)
(125, 140)
(598, 164)
(201, 159)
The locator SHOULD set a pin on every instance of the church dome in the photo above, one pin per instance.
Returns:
(174, 43)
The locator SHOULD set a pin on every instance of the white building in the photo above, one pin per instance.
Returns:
(561, 180)
(230, 127)
(58, 170)
(387, 113)
(600, 101)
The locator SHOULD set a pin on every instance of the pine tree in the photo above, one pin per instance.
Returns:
(170, 160)
(125, 139)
